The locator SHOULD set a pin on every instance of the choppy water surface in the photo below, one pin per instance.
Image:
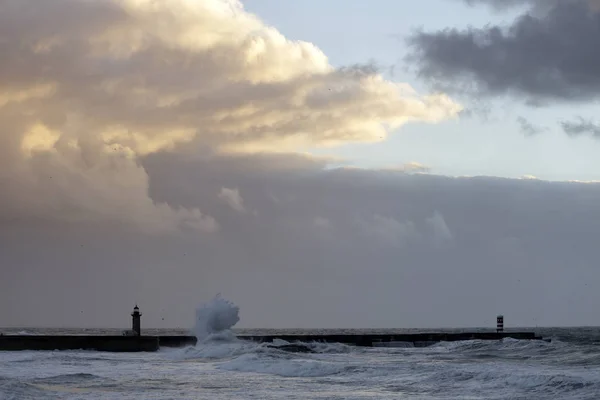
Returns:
(222, 367)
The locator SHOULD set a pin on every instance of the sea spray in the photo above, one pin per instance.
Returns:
(217, 343)
(215, 319)
(212, 328)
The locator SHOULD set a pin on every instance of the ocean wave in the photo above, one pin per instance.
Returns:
(13, 389)
(266, 358)
(208, 352)
(506, 346)
(68, 379)
(518, 379)
(285, 367)
(554, 382)
(331, 348)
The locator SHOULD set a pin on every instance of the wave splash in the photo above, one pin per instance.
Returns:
(217, 343)
(215, 319)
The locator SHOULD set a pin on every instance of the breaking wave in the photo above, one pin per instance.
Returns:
(215, 319)
(284, 365)
(221, 366)
(217, 343)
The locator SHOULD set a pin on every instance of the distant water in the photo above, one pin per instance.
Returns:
(566, 368)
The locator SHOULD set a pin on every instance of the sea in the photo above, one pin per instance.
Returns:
(220, 366)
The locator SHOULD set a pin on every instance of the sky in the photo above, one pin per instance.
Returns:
(319, 163)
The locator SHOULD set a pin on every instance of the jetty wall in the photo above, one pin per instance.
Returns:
(416, 339)
(364, 340)
(97, 343)
(153, 343)
(176, 341)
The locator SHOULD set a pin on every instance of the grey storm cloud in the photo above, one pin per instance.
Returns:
(549, 53)
(528, 128)
(502, 5)
(581, 127)
(326, 248)
(499, 4)
(536, 5)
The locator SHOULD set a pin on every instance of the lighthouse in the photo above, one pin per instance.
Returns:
(136, 324)
(500, 323)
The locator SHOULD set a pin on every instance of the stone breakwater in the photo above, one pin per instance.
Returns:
(153, 343)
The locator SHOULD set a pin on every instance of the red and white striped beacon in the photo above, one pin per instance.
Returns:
(500, 323)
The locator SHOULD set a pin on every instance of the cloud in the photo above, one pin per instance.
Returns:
(441, 232)
(500, 4)
(233, 199)
(337, 245)
(530, 177)
(322, 223)
(529, 129)
(581, 127)
(389, 231)
(79, 183)
(411, 167)
(543, 56)
(503, 5)
(89, 88)
(121, 122)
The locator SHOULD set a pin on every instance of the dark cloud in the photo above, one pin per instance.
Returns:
(343, 248)
(581, 127)
(536, 5)
(549, 55)
(528, 128)
(500, 4)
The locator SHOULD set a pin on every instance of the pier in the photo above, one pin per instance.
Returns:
(117, 344)
(154, 343)
(414, 339)
(133, 340)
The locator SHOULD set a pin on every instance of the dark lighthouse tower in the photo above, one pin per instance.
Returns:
(136, 325)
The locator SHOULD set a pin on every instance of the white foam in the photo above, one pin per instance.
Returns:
(213, 351)
(280, 342)
(215, 319)
(212, 328)
(282, 367)
(400, 345)
(333, 348)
